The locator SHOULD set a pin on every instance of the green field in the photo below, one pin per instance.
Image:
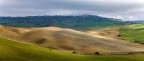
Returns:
(16, 51)
(133, 32)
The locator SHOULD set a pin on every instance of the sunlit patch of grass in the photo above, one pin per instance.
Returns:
(133, 32)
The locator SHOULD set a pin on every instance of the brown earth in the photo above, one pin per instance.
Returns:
(71, 41)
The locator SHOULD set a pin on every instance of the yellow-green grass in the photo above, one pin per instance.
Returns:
(16, 51)
(133, 32)
(135, 26)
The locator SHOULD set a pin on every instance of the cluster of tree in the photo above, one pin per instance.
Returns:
(75, 22)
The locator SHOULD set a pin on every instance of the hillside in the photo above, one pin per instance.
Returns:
(16, 51)
(74, 22)
(68, 40)
(133, 32)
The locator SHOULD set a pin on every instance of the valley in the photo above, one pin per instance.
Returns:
(91, 43)
(71, 30)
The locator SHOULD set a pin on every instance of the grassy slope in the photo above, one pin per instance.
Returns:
(15, 51)
(133, 32)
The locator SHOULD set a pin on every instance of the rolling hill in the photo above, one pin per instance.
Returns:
(17, 51)
(133, 32)
(70, 41)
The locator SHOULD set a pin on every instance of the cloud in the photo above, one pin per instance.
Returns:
(123, 9)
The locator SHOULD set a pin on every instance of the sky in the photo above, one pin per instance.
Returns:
(120, 9)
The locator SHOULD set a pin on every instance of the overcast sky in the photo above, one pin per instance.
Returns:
(121, 9)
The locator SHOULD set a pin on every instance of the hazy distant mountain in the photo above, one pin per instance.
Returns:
(139, 21)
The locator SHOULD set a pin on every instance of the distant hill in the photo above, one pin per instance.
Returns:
(74, 22)
(139, 21)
